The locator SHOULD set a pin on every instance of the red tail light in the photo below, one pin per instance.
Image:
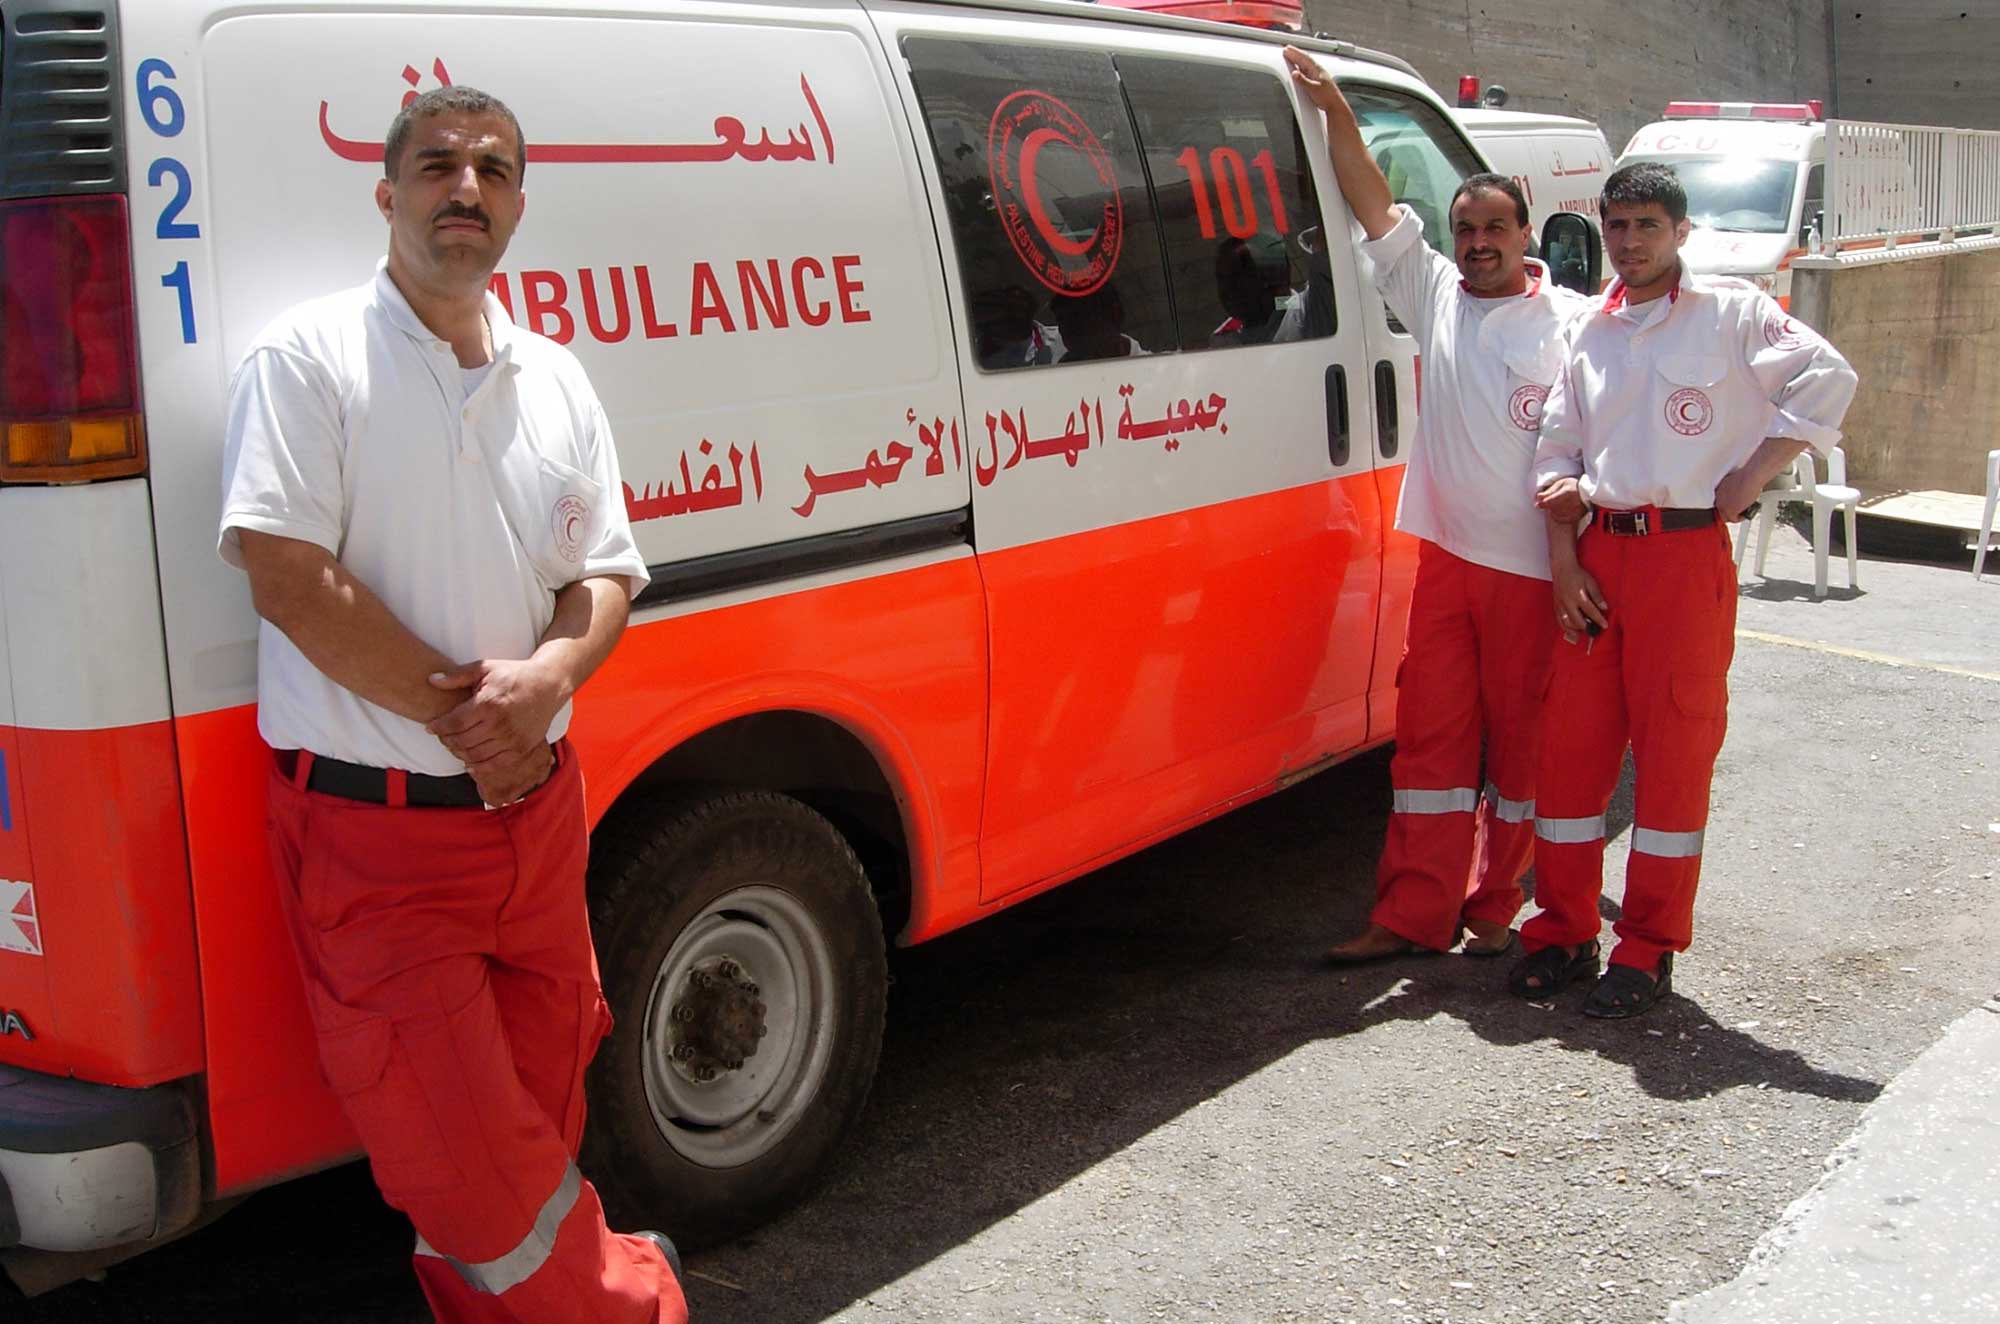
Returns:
(69, 367)
(1468, 89)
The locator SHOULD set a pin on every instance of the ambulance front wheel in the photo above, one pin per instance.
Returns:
(743, 958)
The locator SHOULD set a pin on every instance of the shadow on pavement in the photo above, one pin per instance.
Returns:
(1020, 1053)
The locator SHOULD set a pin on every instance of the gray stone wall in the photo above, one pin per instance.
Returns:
(1617, 63)
(1918, 62)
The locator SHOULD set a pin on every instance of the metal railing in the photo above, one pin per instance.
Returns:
(1900, 183)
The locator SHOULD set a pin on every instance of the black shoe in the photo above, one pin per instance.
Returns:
(667, 1249)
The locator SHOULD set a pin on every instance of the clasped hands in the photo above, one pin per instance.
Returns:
(501, 730)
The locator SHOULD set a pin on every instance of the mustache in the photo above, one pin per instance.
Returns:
(458, 211)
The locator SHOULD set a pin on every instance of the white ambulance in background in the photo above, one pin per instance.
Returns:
(1561, 164)
(1755, 179)
(945, 610)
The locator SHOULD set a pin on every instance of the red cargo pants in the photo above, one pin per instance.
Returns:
(451, 980)
(1475, 661)
(1657, 679)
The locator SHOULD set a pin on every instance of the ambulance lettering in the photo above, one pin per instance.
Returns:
(753, 295)
(885, 465)
(712, 494)
(1689, 412)
(732, 141)
(1084, 427)
(11, 1023)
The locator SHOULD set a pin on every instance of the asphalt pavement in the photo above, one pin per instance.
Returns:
(1140, 1097)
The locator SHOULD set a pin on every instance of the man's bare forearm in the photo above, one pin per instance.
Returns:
(341, 627)
(1362, 182)
(590, 617)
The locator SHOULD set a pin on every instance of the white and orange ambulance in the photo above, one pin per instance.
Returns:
(1009, 423)
(1755, 175)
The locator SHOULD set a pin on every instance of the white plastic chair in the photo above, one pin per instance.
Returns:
(1986, 520)
(1826, 498)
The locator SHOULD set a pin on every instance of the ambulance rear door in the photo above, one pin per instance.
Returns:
(1176, 524)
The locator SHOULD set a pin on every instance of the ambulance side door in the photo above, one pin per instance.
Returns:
(1180, 544)
(1425, 157)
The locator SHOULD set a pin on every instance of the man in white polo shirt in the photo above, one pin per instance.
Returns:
(1477, 652)
(1681, 396)
(427, 503)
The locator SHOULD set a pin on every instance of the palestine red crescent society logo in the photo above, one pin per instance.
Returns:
(1526, 407)
(1689, 412)
(1039, 151)
(567, 521)
(1781, 332)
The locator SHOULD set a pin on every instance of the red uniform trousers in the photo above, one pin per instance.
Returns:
(1475, 661)
(1657, 679)
(451, 980)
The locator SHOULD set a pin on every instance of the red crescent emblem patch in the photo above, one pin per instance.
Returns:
(1525, 408)
(1689, 412)
(567, 523)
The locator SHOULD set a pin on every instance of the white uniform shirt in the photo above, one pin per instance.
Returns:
(350, 427)
(1658, 403)
(1487, 367)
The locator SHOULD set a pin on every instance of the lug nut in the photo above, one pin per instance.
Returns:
(683, 1012)
(699, 978)
(728, 969)
(704, 1074)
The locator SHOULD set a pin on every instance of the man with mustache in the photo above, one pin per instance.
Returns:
(427, 503)
(1477, 651)
(1681, 396)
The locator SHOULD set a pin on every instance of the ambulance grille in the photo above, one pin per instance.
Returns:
(59, 129)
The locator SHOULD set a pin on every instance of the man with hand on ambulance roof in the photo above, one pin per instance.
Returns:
(1477, 652)
(427, 503)
(1681, 397)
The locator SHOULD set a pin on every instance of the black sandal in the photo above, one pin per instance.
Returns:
(1554, 969)
(1625, 990)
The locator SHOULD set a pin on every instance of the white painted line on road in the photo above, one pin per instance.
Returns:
(1860, 655)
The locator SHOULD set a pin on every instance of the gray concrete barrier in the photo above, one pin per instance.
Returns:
(1922, 328)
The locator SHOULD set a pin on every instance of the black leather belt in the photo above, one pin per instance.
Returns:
(1654, 519)
(355, 781)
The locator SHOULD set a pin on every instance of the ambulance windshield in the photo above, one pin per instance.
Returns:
(1746, 194)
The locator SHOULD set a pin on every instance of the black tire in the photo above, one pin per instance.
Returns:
(651, 880)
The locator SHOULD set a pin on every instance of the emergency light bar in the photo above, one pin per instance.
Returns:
(1276, 15)
(1803, 112)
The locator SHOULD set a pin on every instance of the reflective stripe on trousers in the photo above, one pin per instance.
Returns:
(1457, 800)
(1570, 831)
(519, 1264)
(1508, 811)
(1667, 845)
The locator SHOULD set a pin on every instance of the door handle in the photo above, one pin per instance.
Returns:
(1337, 432)
(1385, 407)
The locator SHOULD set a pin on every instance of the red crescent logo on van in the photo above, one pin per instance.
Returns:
(1035, 147)
(1526, 407)
(568, 520)
(1689, 412)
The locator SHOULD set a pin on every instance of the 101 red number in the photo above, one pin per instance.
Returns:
(1232, 190)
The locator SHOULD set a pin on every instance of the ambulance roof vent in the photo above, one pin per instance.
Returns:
(59, 128)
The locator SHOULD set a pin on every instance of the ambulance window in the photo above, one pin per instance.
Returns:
(1423, 157)
(1237, 207)
(1057, 245)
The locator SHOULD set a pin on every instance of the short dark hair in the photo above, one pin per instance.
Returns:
(1642, 182)
(459, 100)
(1488, 182)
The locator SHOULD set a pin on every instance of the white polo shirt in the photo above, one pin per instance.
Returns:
(1487, 366)
(1658, 403)
(350, 426)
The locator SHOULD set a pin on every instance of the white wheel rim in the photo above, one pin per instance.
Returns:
(743, 1112)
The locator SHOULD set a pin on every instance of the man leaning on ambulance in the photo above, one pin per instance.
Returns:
(1680, 398)
(427, 503)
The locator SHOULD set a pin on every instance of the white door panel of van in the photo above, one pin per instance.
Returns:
(1176, 577)
(724, 223)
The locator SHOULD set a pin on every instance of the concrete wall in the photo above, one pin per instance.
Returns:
(1925, 337)
(1618, 64)
(1918, 62)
